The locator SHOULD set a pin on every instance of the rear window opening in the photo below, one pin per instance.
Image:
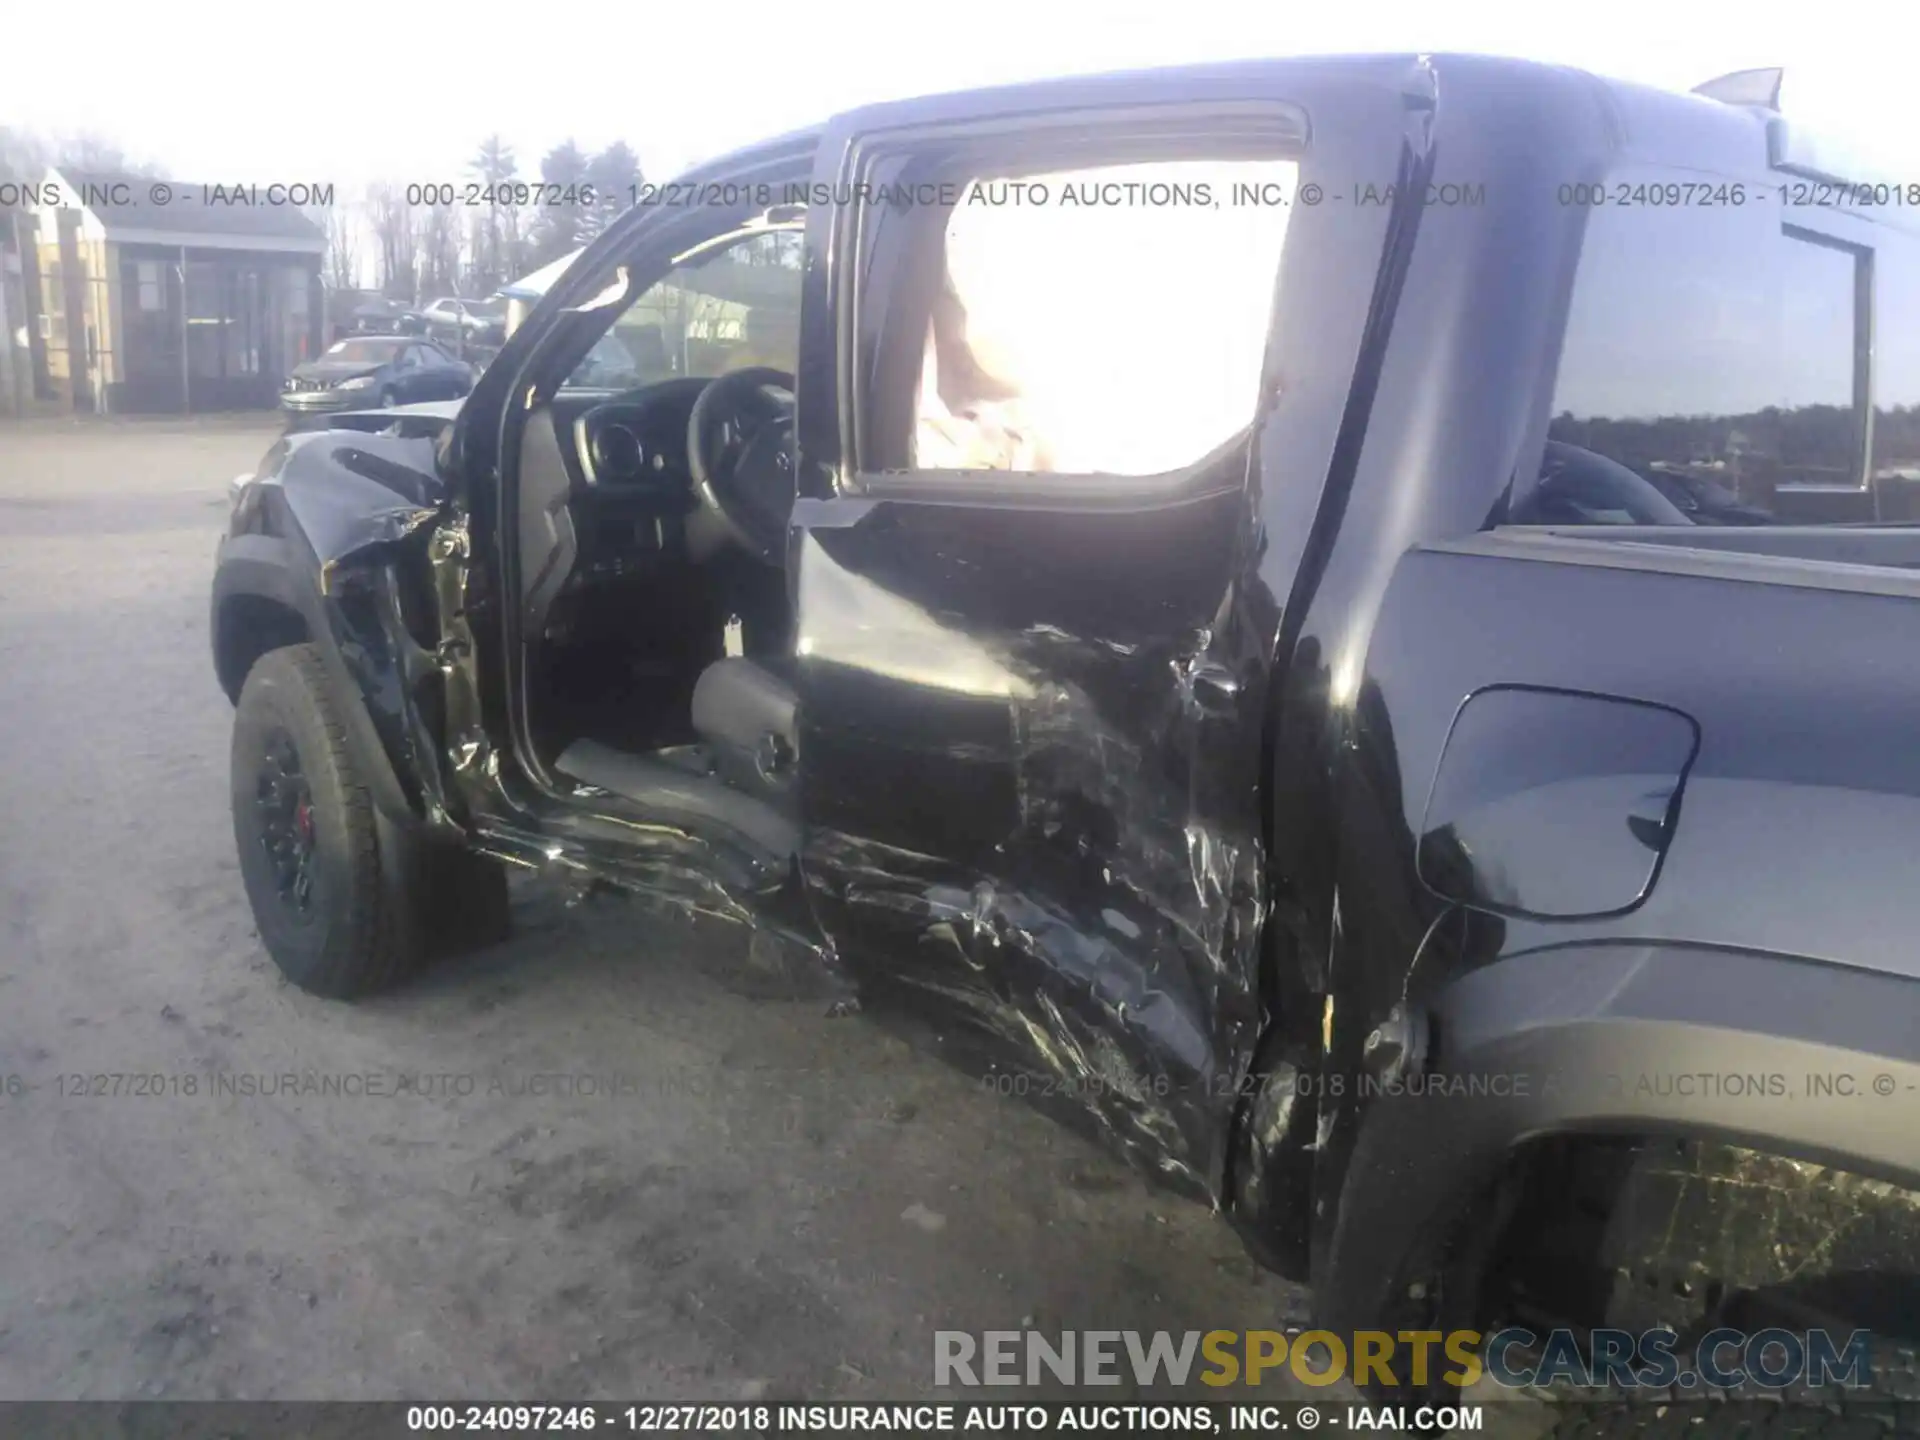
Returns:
(1729, 367)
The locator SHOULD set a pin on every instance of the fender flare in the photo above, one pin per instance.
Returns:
(263, 567)
(1620, 1039)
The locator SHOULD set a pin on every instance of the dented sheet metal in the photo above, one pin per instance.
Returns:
(1029, 740)
(353, 493)
(404, 606)
(610, 838)
(366, 503)
(1042, 822)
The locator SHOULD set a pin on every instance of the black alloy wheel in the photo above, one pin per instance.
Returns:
(283, 802)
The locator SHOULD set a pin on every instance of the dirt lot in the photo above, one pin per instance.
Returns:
(774, 1204)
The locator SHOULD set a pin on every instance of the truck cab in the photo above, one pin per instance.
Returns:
(1157, 575)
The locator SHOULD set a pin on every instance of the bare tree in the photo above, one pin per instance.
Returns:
(393, 239)
(495, 251)
(513, 245)
(439, 237)
(562, 225)
(23, 155)
(26, 154)
(615, 176)
(343, 247)
(88, 152)
(496, 248)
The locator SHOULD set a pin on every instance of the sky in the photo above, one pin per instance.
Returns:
(404, 93)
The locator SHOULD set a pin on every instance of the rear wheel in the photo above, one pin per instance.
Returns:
(345, 902)
(1691, 1236)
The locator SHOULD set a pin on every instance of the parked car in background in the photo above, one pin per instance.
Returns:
(373, 318)
(381, 316)
(479, 320)
(445, 313)
(489, 321)
(369, 370)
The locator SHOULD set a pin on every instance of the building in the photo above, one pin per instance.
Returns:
(155, 296)
(15, 394)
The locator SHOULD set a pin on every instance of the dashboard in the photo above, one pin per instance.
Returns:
(633, 500)
(635, 443)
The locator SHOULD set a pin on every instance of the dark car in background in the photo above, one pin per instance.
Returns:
(363, 371)
(372, 318)
(381, 316)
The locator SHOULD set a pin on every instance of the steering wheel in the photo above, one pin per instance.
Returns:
(740, 451)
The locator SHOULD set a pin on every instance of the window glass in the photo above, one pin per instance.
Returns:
(206, 319)
(728, 309)
(1707, 371)
(361, 351)
(1100, 321)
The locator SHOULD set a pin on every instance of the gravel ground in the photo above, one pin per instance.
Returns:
(778, 1204)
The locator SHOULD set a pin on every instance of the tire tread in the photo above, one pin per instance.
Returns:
(383, 942)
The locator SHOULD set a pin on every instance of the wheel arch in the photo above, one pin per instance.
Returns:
(1598, 1045)
(246, 627)
(257, 608)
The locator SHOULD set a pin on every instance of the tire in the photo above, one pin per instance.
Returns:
(387, 400)
(346, 903)
(1660, 1234)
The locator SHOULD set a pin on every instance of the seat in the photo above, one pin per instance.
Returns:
(738, 702)
(738, 778)
(746, 710)
(548, 545)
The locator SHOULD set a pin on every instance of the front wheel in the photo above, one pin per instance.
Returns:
(346, 903)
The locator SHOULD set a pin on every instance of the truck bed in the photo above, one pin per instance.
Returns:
(1794, 651)
(1877, 559)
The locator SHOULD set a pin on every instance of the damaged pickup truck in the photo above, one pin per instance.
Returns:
(1157, 573)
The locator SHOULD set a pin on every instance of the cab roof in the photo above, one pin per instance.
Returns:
(1646, 122)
